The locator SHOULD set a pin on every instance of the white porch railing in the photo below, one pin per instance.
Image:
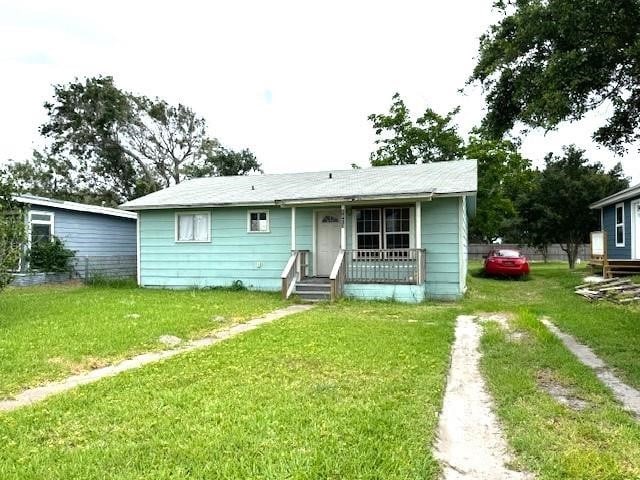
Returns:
(294, 271)
(338, 276)
(392, 266)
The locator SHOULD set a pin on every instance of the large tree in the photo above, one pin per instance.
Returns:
(502, 171)
(502, 175)
(116, 146)
(221, 161)
(567, 186)
(12, 231)
(49, 175)
(547, 61)
(401, 140)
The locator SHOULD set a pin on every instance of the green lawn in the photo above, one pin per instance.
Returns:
(600, 441)
(612, 330)
(343, 391)
(50, 332)
(347, 390)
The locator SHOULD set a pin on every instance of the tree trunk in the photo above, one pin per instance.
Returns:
(572, 253)
(544, 250)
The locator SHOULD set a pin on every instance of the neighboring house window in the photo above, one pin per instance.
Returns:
(41, 226)
(258, 221)
(620, 225)
(372, 233)
(193, 227)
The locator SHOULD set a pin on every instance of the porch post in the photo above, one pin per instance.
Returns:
(343, 227)
(418, 224)
(293, 228)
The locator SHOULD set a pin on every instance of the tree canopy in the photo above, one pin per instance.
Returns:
(433, 137)
(549, 61)
(560, 201)
(503, 174)
(109, 145)
(401, 140)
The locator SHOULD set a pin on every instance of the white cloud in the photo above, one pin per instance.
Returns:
(293, 81)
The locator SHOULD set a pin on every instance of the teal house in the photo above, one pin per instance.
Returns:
(396, 232)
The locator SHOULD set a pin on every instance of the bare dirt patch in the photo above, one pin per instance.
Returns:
(501, 318)
(504, 320)
(87, 363)
(564, 395)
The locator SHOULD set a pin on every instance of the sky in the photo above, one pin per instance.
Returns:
(294, 81)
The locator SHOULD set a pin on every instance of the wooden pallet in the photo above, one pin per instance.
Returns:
(616, 290)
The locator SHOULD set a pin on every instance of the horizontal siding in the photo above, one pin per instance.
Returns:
(90, 234)
(440, 238)
(104, 244)
(256, 259)
(609, 225)
(400, 293)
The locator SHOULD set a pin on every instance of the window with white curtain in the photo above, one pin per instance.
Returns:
(193, 227)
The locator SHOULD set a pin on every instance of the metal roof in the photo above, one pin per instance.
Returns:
(78, 207)
(620, 196)
(377, 183)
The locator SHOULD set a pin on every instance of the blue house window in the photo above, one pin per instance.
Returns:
(41, 226)
(620, 225)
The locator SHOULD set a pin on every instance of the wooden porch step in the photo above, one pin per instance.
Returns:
(314, 295)
(313, 289)
(302, 287)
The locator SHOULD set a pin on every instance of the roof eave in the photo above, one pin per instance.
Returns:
(135, 208)
(355, 198)
(616, 197)
(304, 201)
(75, 208)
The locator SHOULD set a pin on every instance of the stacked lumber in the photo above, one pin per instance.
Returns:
(618, 290)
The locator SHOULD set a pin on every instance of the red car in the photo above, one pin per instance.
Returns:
(506, 262)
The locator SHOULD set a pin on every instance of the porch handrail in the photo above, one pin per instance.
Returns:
(294, 271)
(338, 276)
(391, 266)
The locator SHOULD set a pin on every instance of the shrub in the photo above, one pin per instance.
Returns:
(237, 286)
(50, 256)
(12, 232)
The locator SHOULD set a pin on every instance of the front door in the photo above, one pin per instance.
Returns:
(327, 240)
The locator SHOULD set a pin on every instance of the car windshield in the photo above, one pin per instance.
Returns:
(507, 253)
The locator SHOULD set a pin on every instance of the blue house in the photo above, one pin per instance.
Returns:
(385, 232)
(102, 239)
(620, 221)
